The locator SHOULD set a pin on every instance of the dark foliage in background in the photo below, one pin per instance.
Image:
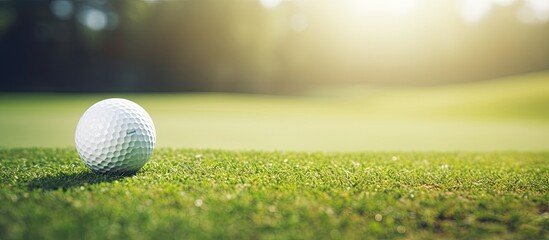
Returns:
(241, 46)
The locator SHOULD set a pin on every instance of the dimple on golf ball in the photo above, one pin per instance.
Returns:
(115, 136)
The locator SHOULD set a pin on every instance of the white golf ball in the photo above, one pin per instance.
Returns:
(115, 136)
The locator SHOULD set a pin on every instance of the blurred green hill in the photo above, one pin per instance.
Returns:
(501, 114)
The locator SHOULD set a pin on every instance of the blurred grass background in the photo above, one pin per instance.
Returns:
(501, 114)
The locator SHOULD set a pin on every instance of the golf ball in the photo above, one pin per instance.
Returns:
(115, 136)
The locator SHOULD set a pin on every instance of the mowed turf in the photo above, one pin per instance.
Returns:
(48, 193)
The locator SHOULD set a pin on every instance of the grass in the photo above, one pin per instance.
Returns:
(499, 115)
(467, 161)
(48, 193)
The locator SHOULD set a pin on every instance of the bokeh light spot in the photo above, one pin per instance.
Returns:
(539, 9)
(392, 8)
(151, 1)
(475, 10)
(270, 4)
(93, 18)
(503, 3)
(62, 9)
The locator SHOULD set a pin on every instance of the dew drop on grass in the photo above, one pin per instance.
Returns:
(198, 202)
(378, 217)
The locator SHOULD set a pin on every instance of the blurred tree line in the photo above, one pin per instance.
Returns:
(242, 46)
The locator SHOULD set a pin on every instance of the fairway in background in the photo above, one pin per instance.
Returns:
(501, 114)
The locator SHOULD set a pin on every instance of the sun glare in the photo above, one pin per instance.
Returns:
(475, 10)
(529, 11)
(384, 7)
(269, 4)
